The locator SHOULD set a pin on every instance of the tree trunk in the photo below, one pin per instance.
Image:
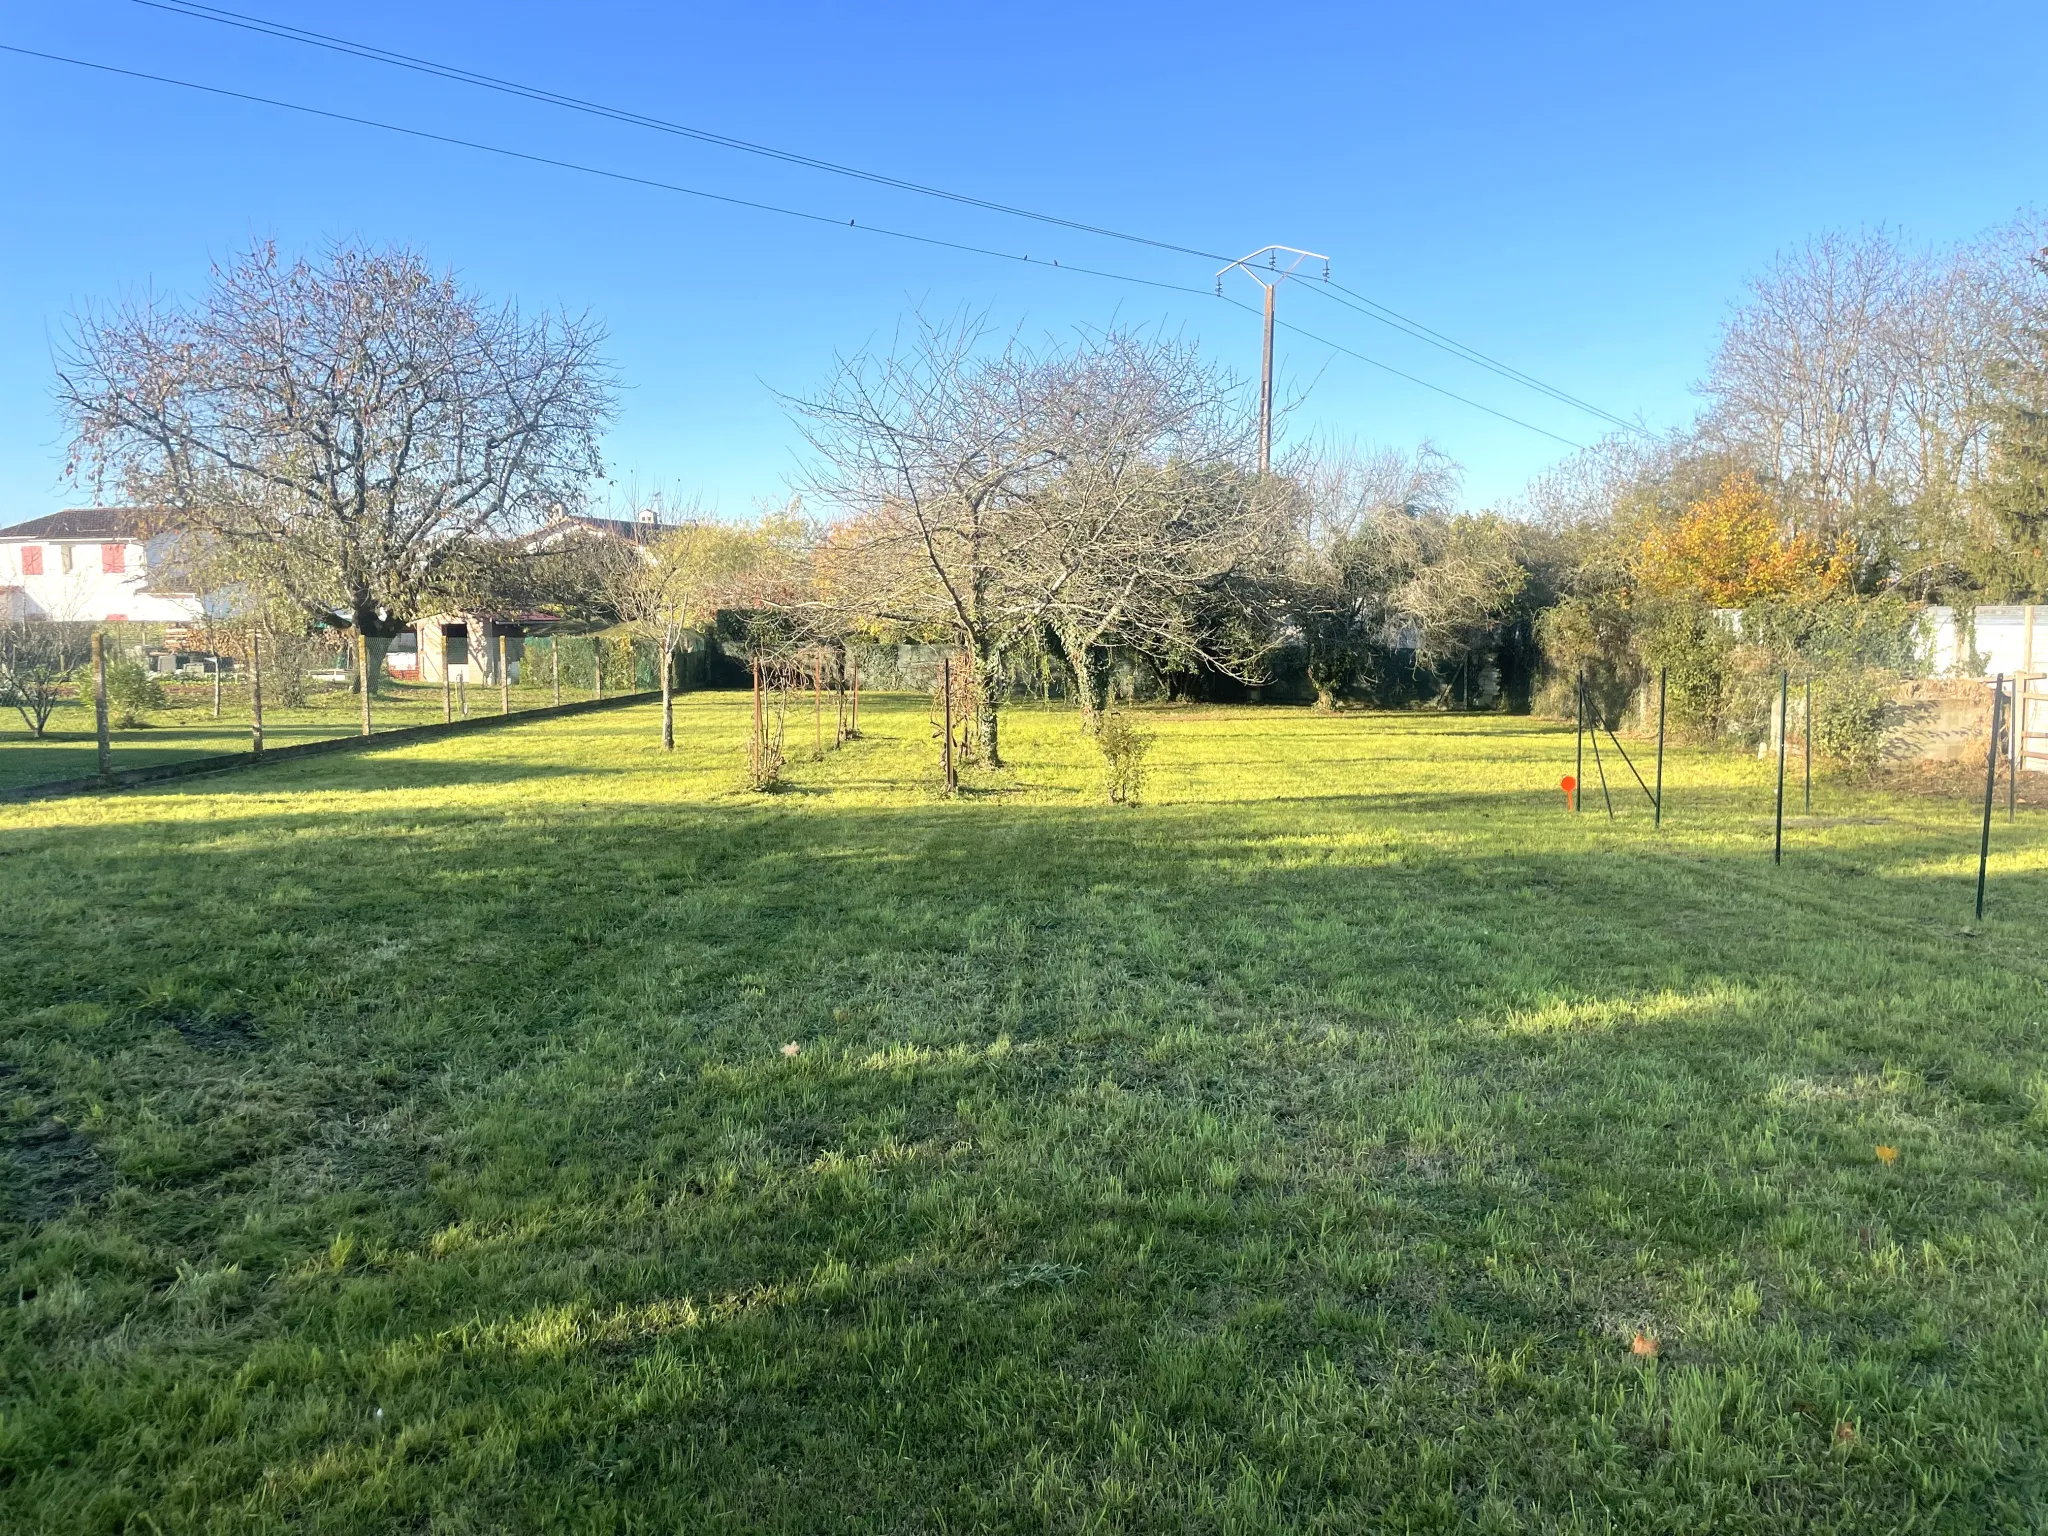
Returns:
(256, 692)
(988, 681)
(370, 652)
(668, 696)
(1091, 677)
(364, 676)
(99, 706)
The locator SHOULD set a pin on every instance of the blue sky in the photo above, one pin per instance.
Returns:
(1579, 191)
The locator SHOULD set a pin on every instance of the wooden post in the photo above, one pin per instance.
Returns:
(363, 675)
(854, 661)
(447, 683)
(597, 663)
(216, 684)
(1579, 749)
(462, 691)
(756, 746)
(1778, 835)
(256, 692)
(1657, 820)
(818, 707)
(2012, 739)
(1990, 791)
(946, 695)
(99, 706)
(555, 665)
(504, 678)
(1806, 740)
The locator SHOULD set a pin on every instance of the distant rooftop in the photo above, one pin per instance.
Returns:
(83, 523)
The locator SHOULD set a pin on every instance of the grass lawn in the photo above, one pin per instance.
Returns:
(185, 728)
(407, 1141)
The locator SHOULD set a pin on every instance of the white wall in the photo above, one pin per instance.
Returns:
(88, 592)
(2008, 638)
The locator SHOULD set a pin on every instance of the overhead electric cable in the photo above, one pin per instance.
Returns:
(375, 53)
(1423, 334)
(743, 202)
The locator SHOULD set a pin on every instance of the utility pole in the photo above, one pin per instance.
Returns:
(1270, 279)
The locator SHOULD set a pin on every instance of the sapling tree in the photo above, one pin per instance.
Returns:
(675, 579)
(37, 658)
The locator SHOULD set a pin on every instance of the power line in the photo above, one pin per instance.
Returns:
(1288, 325)
(1372, 309)
(749, 203)
(195, 10)
(370, 51)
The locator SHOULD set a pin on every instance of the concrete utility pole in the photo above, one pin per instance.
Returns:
(1270, 278)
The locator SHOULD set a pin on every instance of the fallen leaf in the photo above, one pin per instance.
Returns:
(1646, 1346)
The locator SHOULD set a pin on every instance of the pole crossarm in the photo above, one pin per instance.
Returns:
(1269, 278)
(1249, 265)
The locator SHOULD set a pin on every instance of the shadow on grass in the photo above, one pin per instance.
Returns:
(1392, 1143)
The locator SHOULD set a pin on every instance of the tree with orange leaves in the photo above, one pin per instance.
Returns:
(1727, 551)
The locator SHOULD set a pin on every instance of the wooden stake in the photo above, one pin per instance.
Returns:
(99, 706)
(256, 692)
(1579, 765)
(946, 693)
(1778, 836)
(1990, 791)
(1657, 819)
(504, 678)
(1806, 742)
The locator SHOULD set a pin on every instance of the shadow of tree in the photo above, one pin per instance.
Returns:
(1392, 1125)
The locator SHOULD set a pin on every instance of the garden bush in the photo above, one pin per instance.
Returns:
(131, 693)
(1853, 709)
(1123, 747)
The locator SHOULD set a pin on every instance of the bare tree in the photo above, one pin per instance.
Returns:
(37, 657)
(1149, 531)
(676, 579)
(929, 450)
(343, 435)
(1357, 541)
(1806, 374)
(993, 496)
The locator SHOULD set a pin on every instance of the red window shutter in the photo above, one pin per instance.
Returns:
(31, 559)
(113, 558)
(117, 618)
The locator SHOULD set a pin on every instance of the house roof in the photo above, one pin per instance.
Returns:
(83, 523)
(626, 528)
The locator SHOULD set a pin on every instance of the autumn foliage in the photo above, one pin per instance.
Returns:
(1727, 549)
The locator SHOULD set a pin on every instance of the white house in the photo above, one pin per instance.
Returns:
(98, 565)
(466, 645)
